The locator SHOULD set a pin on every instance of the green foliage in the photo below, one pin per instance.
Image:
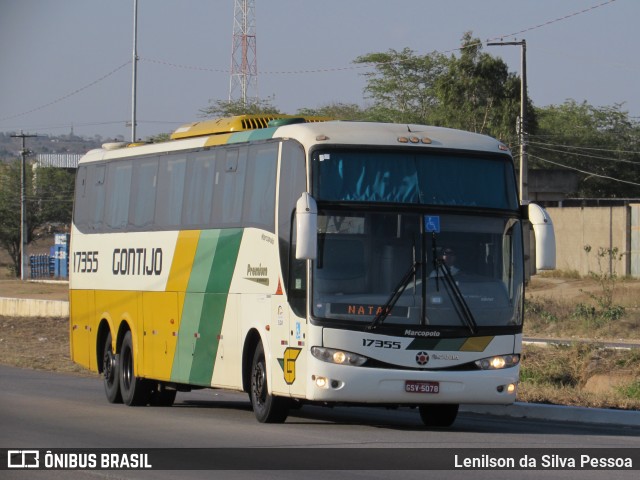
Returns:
(601, 142)
(338, 111)
(535, 310)
(474, 91)
(403, 85)
(225, 108)
(604, 310)
(631, 391)
(49, 198)
(559, 366)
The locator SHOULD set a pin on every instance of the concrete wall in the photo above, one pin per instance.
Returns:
(26, 307)
(603, 226)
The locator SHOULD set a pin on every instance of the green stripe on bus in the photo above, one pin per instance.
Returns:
(183, 358)
(203, 261)
(204, 306)
(215, 302)
(206, 346)
(224, 261)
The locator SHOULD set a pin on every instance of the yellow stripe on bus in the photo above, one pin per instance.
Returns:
(183, 260)
(476, 344)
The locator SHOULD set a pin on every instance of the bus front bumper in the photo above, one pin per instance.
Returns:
(349, 384)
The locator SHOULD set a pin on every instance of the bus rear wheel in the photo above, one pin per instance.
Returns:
(438, 415)
(266, 407)
(135, 390)
(110, 372)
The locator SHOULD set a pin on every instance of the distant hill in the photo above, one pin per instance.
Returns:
(10, 147)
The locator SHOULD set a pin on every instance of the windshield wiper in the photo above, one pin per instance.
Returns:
(460, 304)
(397, 293)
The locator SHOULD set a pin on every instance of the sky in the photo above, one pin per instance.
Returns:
(67, 64)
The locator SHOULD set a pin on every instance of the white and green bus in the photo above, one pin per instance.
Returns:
(303, 261)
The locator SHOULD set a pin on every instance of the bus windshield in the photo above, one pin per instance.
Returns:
(364, 258)
(399, 241)
(409, 177)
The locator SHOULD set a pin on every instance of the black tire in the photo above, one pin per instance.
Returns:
(437, 415)
(161, 396)
(135, 390)
(267, 408)
(110, 372)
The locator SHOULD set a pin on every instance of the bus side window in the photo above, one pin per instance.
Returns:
(228, 190)
(96, 179)
(119, 183)
(171, 184)
(260, 187)
(144, 186)
(198, 195)
(81, 206)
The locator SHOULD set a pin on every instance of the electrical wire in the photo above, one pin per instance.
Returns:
(595, 157)
(293, 72)
(71, 94)
(584, 171)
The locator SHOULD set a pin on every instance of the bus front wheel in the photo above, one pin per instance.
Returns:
(438, 415)
(267, 408)
(135, 390)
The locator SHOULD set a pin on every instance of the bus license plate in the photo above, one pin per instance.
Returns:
(414, 386)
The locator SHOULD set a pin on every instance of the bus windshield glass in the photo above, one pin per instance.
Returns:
(399, 240)
(411, 177)
(365, 258)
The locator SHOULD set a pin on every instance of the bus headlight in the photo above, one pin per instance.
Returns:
(338, 357)
(498, 362)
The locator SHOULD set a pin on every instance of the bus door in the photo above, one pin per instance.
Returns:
(288, 342)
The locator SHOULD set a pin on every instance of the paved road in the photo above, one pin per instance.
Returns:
(48, 410)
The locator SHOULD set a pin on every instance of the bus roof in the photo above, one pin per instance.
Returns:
(309, 131)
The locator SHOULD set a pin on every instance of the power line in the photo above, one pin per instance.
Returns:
(633, 152)
(295, 72)
(595, 157)
(550, 22)
(71, 94)
(585, 171)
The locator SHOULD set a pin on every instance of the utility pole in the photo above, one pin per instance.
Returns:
(135, 71)
(522, 130)
(23, 205)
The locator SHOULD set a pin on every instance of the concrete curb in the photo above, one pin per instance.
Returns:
(559, 413)
(26, 307)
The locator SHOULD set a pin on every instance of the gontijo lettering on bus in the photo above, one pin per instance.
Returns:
(137, 261)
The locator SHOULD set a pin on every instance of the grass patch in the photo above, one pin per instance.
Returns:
(559, 375)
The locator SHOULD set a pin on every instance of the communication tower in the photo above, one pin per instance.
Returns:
(244, 59)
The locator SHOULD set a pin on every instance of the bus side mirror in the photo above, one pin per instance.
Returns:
(306, 227)
(545, 237)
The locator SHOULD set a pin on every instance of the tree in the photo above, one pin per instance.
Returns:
(337, 111)
(476, 92)
(600, 142)
(224, 108)
(49, 199)
(402, 86)
(53, 195)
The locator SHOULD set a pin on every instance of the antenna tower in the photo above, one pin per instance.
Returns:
(244, 59)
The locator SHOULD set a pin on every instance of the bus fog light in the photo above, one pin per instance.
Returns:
(322, 382)
(511, 388)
